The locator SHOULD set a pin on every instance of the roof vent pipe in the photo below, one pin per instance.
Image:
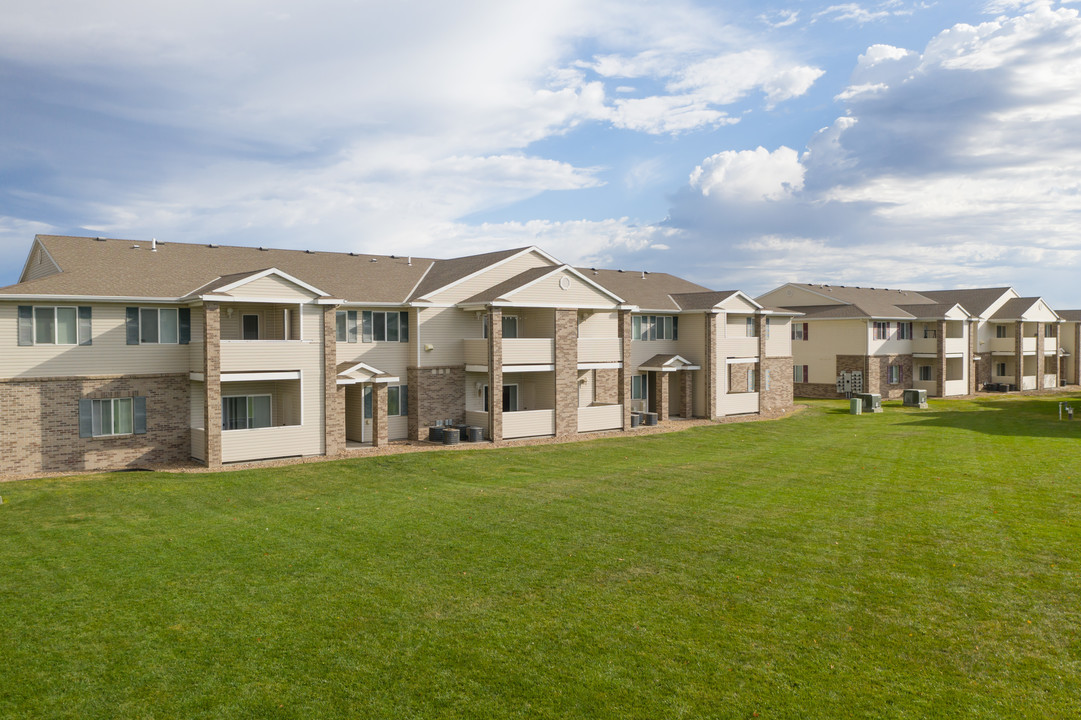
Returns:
(153, 245)
(409, 262)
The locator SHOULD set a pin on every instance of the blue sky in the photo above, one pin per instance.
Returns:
(739, 144)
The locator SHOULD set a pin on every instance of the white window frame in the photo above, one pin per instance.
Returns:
(925, 370)
(397, 391)
(643, 386)
(250, 417)
(258, 325)
(158, 312)
(800, 373)
(1001, 331)
(1000, 366)
(893, 374)
(56, 324)
(114, 414)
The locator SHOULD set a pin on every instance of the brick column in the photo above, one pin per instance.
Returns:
(333, 396)
(566, 380)
(212, 383)
(973, 352)
(662, 395)
(1075, 355)
(686, 393)
(1040, 329)
(710, 368)
(1018, 344)
(760, 382)
(940, 351)
(626, 368)
(379, 414)
(495, 374)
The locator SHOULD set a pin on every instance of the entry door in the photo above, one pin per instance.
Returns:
(510, 398)
(366, 429)
(250, 327)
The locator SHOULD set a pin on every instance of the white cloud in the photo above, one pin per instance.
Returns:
(957, 165)
(749, 175)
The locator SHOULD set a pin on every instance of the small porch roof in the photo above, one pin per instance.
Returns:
(351, 373)
(667, 363)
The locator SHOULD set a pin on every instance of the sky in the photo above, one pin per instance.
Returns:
(742, 145)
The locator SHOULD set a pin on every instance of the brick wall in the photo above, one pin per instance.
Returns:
(711, 376)
(566, 372)
(334, 404)
(816, 390)
(879, 376)
(686, 393)
(778, 398)
(626, 371)
(663, 400)
(435, 393)
(495, 375)
(40, 433)
(380, 432)
(606, 386)
(212, 383)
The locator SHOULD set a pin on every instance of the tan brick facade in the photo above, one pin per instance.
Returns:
(625, 370)
(775, 395)
(380, 431)
(212, 383)
(566, 372)
(712, 366)
(334, 403)
(686, 393)
(41, 429)
(435, 394)
(606, 386)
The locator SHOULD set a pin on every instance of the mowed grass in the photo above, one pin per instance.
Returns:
(908, 564)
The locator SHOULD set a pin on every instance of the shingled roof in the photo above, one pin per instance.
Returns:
(975, 300)
(861, 302)
(126, 268)
(649, 291)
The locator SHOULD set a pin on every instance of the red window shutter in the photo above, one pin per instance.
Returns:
(806, 336)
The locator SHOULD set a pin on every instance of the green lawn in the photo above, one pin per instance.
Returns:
(908, 564)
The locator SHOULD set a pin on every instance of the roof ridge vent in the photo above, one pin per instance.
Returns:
(263, 248)
(100, 239)
(619, 271)
(211, 245)
(309, 252)
(352, 254)
(373, 260)
(135, 246)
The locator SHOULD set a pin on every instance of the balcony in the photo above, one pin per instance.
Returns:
(529, 423)
(955, 387)
(267, 355)
(516, 351)
(1028, 345)
(594, 350)
(953, 345)
(925, 346)
(738, 347)
(600, 417)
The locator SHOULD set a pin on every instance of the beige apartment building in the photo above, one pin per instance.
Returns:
(128, 353)
(947, 342)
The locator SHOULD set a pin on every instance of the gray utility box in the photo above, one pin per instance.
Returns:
(916, 398)
(872, 402)
(855, 406)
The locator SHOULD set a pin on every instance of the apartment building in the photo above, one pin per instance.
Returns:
(126, 353)
(1069, 342)
(947, 342)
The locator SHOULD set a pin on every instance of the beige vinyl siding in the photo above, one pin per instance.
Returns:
(108, 355)
(198, 444)
(272, 286)
(779, 342)
(197, 398)
(474, 398)
(599, 324)
(398, 427)
(548, 292)
(642, 350)
(195, 347)
(40, 265)
(531, 423)
(600, 417)
(285, 404)
(692, 346)
(533, 322)
(444, 329)
(829, 338)
(389, 357)
(491, 277)
(271, 320)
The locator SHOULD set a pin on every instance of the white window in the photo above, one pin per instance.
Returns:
(56, 326)
(750, 328)
(1000, 369)
(752, 379)
(893, 374)
(639, 387)
(1050, 330)
(241, 412)
(767, 337)
(904, 331)
(799, 373)
(380, 326)
(925, 373)
(158, 326)
(112, 416)
(882, 330)
(1002, 331)
(249, 327)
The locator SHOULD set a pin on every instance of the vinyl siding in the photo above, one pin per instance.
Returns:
(40, 265)
(108, 355)
(829, 338)
(390, 357)
(585, 388)
(548, 292)
(779, 342)
(272, 286)
(444, 329)
(529, 423)
(692, 345)
(491, 277)
(600, 324)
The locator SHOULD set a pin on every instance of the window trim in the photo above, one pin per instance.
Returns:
(920, 373)
(258, 325)
(56, 325)
(138, 319)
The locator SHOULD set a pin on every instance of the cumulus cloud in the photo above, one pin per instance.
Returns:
(749, 175)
